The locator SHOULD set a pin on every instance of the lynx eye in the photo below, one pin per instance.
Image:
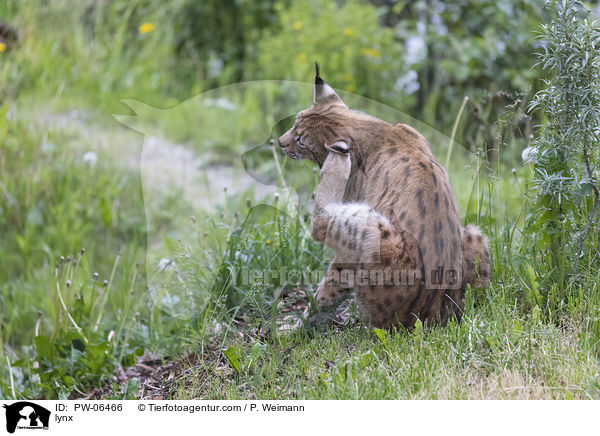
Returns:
(300, 141)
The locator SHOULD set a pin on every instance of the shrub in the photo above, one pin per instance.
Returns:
(566, 151)
(355, 52)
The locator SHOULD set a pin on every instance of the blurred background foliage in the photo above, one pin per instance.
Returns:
(399, 53)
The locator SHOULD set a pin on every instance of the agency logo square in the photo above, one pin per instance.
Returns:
(25, 415)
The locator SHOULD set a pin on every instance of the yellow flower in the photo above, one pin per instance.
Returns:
(347, 77)
(297, 25)
(146, 28)
(2, 47)
(268, 241)
(301, 57)
(351, 87)
(373, 52)
(349, 32)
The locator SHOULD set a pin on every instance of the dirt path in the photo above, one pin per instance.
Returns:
(164, 165)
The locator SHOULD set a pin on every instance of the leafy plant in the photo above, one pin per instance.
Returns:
(233, 356)
(355, 52)
(566, 152)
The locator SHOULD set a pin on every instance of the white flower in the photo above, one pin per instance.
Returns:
(215, 66)
(90, 158)
(528, 154)
(164, 264)
(408, 83)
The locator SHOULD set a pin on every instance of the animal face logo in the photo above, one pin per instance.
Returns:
(26, 415)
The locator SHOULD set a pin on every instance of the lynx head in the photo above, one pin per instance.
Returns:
(320, 128)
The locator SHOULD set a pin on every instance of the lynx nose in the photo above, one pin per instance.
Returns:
(286, 140)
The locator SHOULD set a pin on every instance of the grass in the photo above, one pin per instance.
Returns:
(154, 284)
(494, 353)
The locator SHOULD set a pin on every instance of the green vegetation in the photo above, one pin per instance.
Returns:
(566, 153)
(496, 352)
(103, 265)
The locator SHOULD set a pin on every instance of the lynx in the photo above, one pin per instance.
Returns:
(385, 206)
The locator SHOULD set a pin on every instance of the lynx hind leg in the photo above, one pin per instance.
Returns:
(353, 231)
(362, 239)
(476, 257)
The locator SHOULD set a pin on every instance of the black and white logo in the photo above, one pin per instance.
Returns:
(26, 415)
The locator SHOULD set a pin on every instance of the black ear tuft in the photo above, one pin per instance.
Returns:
(340, 149)
(318, 80)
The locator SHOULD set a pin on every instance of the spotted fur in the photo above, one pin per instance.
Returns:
(384, 203)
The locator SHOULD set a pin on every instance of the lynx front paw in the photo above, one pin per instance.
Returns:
(328, 295)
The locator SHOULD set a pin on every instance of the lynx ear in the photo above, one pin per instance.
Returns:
(338, 147)
(323, 92)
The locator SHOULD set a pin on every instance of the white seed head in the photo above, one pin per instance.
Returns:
(90, 158)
